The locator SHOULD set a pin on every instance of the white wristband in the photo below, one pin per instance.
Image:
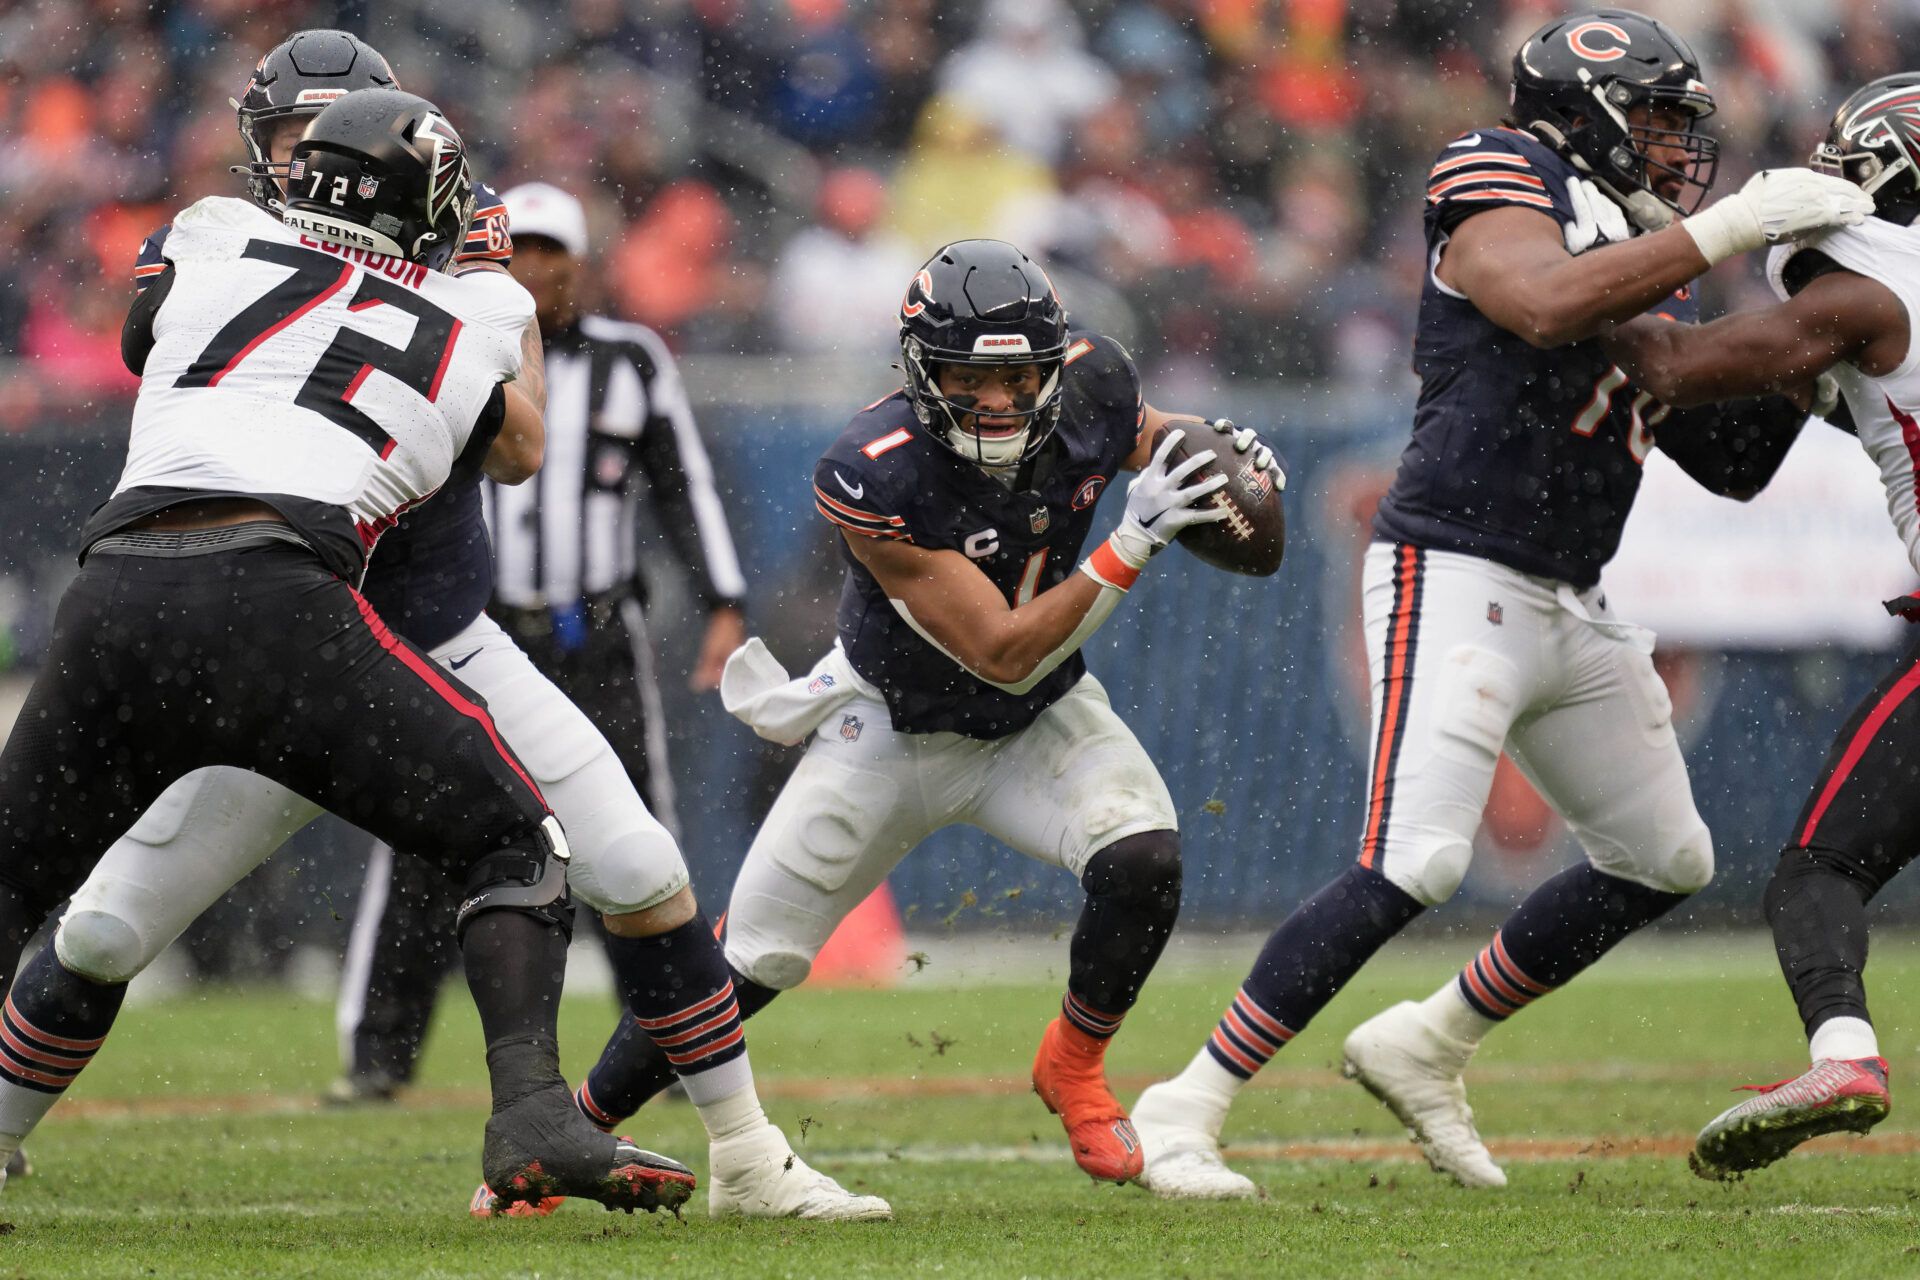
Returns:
(1725, 228)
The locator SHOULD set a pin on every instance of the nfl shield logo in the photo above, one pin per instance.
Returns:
(1495, 614)
(1040, 520)
(850, 727)
(367, 187)
(820, 683)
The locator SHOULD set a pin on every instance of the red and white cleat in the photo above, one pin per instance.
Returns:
(1835, 1095)
(1069, 1074)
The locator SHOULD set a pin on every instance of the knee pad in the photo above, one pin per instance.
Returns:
(1686, 868)
(531, 881)
(635, 869)
(768, 962)
(1139, 870)
(100, 947)
(1426, 865)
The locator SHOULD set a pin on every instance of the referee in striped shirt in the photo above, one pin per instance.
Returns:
(566, 587)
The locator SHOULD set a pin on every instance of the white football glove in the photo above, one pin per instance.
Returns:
(1776, 205)
(1597, 220)
(1158, 508)
(1244, 439)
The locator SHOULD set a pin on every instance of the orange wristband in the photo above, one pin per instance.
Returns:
(1105, 565)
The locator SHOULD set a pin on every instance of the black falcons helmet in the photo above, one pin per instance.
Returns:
(301, 75)
(384, 171)
(983, 302)
(1874, 143)
(1574, 81)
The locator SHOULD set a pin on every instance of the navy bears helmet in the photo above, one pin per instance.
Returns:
(1874, 143)
(299, 77)
(383, 171)
(983, 302)
(1575, 80)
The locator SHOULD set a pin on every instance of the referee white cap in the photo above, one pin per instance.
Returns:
(540, 209)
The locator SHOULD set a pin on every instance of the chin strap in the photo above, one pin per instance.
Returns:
(1644, 209)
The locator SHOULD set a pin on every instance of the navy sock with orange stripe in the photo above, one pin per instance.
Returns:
(1305, 963)
(51, 1025)
(1565, 925)
(680, 994)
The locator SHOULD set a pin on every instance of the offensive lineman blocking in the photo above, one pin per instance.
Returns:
(215, 825)
(212, 623)
(1486, 627)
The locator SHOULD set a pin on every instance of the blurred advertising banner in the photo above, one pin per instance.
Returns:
(1804, 565)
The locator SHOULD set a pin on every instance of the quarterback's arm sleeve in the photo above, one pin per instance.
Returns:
(1732, 448)
(680, 479)
(136, 335)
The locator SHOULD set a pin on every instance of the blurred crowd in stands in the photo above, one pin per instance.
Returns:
(1233, 185)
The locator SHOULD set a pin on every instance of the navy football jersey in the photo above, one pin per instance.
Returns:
(885, 477)
(432, 573)
(1527, 457)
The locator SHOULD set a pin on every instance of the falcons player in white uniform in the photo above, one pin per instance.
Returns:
(213, 826)
(301, 386)
(1850, 296)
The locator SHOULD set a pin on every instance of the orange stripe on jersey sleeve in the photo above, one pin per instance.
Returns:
(868, 530)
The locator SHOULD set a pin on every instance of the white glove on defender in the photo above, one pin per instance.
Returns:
(1597, 220)
(1776, 205)
(1158, 508)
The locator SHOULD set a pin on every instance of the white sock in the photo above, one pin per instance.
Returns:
(734, 1114)
(1207, 1090)
(1448, 1011)
(1843, 1038)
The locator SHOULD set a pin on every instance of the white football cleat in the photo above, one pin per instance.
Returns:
(1182, 1149)
(757, 1175)
(1415, 1069)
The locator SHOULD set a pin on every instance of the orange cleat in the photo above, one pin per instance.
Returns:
(1070, 1077)
(485, 1204)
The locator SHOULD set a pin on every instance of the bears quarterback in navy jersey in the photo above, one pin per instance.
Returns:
(956, 692)
(1485, 626)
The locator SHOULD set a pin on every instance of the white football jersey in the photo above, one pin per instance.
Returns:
(284, 365)
(1886, 410)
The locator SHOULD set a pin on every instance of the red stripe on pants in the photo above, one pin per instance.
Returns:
(448, 694)
(1862, 739)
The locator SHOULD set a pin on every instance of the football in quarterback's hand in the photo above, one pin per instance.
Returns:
(1253, 537)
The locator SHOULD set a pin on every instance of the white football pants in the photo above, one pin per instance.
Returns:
(213, 826)
(1469, 658)
(1060, 790)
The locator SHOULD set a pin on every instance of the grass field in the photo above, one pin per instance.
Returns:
(193, 1146)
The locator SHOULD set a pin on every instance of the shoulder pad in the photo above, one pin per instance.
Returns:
(1103, 368)
(495, 299)
(1492, 167)
(489, 236)
(862, 481)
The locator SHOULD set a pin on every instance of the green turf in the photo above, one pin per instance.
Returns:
(220, 1167)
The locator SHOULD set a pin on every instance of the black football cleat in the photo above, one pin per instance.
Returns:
(541, 1148)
